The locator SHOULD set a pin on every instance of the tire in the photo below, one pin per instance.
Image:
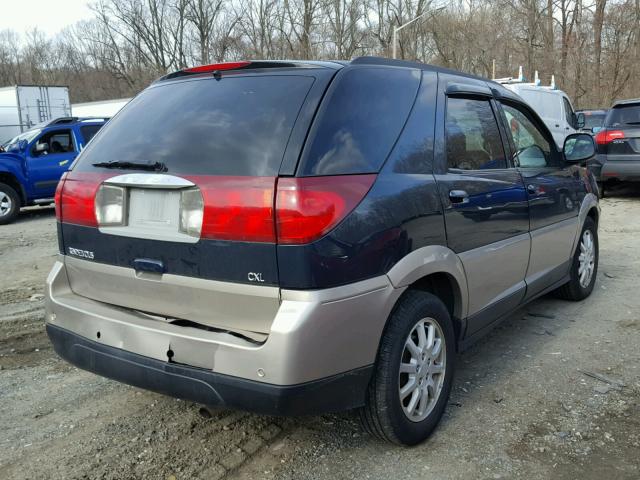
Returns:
(9, 204)
(384, 413)
(574, 289)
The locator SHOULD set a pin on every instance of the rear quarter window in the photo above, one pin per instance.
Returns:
(235, 126)
(359, 121)
(88, 131)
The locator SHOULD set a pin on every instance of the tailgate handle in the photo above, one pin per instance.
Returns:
(148, 265)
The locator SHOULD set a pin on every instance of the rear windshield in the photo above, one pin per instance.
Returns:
(231, 126)
(624, 115)
(593, 120)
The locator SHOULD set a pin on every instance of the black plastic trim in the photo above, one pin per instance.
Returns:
(466, 89)
(332, 394)
(469, 340)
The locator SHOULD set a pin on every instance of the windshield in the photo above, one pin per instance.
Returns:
(28, 136)
(231, 126)
(624, 115)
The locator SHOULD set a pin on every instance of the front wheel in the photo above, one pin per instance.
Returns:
(584, 266)
(9, 204)
(414, 371)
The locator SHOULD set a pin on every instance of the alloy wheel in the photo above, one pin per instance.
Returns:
(5, 204)
(586, 260)
(422, 369)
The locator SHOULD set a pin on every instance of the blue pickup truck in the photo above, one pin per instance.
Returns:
(32, 163)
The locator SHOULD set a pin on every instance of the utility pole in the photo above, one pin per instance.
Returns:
(397, 29)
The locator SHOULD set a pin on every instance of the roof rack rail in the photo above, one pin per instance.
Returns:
(62, 120)
(520, 79)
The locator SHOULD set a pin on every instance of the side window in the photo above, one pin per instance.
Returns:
(58, 141)
(472, 135)
(360, 121)
(532, 149)
(568, 111)
(88, 131)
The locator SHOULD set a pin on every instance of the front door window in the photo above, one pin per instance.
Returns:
(58, 141)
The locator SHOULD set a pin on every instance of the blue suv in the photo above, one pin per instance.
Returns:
(304, 237)
(32, 163)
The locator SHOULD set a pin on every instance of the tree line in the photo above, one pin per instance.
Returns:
(592, 47)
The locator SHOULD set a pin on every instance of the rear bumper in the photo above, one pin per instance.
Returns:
(318, 339)
(336, 393)
(627, 169)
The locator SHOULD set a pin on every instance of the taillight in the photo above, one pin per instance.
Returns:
(58, 196)
(603, 137)
(77, 198)
(237, 208)
(228, 208)
(216, 67)
(308, 207)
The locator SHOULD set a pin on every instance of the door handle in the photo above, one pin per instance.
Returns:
(458, 196)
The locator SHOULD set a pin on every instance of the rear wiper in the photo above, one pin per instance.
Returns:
(152, 167)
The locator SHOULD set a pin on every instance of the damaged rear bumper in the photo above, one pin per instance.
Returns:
(317, 357)
(333, 394)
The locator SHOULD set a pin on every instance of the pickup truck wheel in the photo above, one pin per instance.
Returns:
(414, 371)
(9, 204)
(584, 266)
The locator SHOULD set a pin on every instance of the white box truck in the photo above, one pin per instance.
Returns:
(23, 106)
(103, 108)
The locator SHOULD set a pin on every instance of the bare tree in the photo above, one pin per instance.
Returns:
(595, 45)
(203, 15)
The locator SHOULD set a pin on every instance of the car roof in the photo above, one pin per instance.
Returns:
(626, 102)
(591, 111)
(339, 64)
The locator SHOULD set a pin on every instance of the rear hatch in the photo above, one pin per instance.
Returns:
(170, 209)
(620, 138)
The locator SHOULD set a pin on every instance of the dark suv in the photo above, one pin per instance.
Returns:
(294, 238)
(618, 145)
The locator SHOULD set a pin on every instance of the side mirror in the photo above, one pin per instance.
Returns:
(578, 148)
(580, 120)
(22, 145)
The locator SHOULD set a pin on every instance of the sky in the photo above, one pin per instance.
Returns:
(50, 16)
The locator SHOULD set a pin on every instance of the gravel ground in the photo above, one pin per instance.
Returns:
(527, 401)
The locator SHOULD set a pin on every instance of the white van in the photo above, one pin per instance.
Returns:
(551, 104)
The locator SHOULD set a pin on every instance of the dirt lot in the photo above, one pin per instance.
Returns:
(522, 406)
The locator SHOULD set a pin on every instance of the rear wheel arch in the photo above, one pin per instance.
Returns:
(434, 263)
(443, 286)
